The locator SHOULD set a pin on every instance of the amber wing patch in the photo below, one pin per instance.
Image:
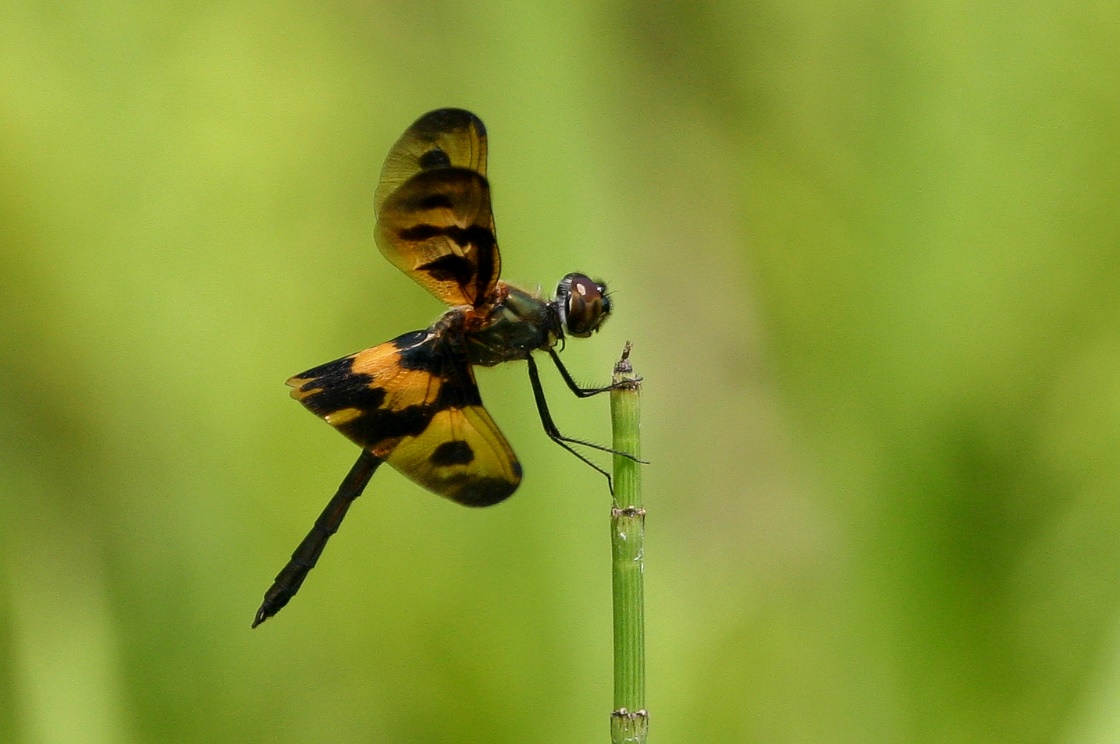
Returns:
(409, 402)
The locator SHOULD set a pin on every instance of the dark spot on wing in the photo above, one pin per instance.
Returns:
(376, 426)
(456, 452)
(462, 188)
(434, 158)
(437, 201)
(329, 371)
(417, 354)
(459, 391)
(336, 387)
(450, 268)
(440, 357)
(440, 121)
(472, 276)
(476, 235)
(484, 491)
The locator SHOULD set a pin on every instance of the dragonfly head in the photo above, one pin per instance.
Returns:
(583, 305)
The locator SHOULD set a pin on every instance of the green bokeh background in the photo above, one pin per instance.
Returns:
(869, 257)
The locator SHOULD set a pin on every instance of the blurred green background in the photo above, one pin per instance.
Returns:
(868, 255)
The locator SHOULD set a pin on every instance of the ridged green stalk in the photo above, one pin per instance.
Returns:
(630, 719)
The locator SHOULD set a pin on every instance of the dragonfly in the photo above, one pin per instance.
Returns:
(413, 402)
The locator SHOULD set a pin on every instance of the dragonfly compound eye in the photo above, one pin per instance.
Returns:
(585, 304)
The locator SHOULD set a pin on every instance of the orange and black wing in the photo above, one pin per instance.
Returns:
(411, 403)
(433, 208)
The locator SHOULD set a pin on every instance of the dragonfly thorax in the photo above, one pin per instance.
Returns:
(519, 325)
